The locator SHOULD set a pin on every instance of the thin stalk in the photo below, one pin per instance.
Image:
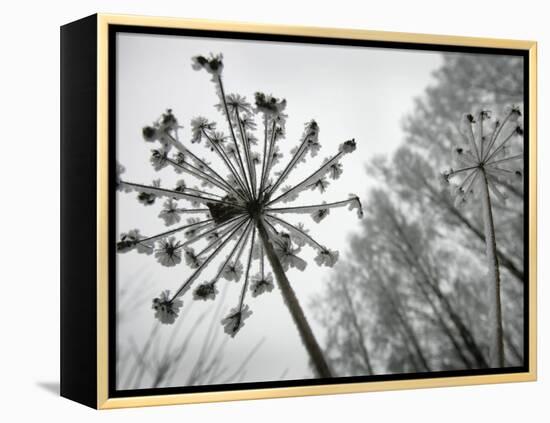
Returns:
(224, 101)
(495, 335)
(264, 157)
(297, 156)
(199, 174)
(500, 147)
(197, 272)
(227, 162)
(473, 140)
(313, 177)
(507, 159)
(221, 237)
(495, 135)
(306, 334)
(176, 194)
(308, 238)
(247, 273)
(481, 118)
(464, 169)
(246, 147)
(241, 241)
(310, 208)
(235, 221)
(269, 157)
(198, 191)
(173, 231)
(180, 147)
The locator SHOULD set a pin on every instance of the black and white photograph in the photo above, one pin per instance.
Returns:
(295, 212)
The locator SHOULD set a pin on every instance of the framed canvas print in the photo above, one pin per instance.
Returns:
(254, 211)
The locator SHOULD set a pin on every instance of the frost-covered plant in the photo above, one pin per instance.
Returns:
(481, 166)
(238, 208)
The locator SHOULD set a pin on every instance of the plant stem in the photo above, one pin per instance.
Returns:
(495, 310)
(291, 301)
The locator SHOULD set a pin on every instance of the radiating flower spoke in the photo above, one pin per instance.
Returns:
(196, 227)
(232, 224)
(171, 212)
(271, 136)
(345, 148)
(507, 159)
(232, 131)
(235, 320)
(226, 160)
(500, 148)
(310, 142)
(233, 269)
(132, 239)
(163, 192)
(246, 149)
(198, 271)
(261, 282)
(512, 117)
(298, 232)
(208, 290)
(180, 165)
(264, 156)
(352, 203)
(468, 122)
(325, 257)
(505, 174)
(221, 234)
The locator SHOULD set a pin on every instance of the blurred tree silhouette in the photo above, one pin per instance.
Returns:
(410, 295)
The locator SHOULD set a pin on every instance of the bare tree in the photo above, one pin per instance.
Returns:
(417, 267)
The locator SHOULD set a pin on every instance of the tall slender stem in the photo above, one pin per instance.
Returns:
(495, 309)
(306, 334)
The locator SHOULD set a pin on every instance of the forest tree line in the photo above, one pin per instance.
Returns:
(411, 294)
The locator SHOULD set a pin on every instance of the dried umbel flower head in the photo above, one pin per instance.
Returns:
(205, 291)
(238, 208)
(235, 319)
(485, 157)
(166, 308)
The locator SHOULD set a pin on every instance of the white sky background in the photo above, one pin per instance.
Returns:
(352, 92)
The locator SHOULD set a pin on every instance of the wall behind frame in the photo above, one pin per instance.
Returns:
(30, 88)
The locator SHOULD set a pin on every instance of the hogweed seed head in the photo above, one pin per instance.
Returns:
(244, 188)
(485, 156)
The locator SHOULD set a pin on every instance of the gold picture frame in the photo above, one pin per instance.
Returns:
(101, 266)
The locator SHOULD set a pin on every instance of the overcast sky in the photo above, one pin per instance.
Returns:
(352, 92)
